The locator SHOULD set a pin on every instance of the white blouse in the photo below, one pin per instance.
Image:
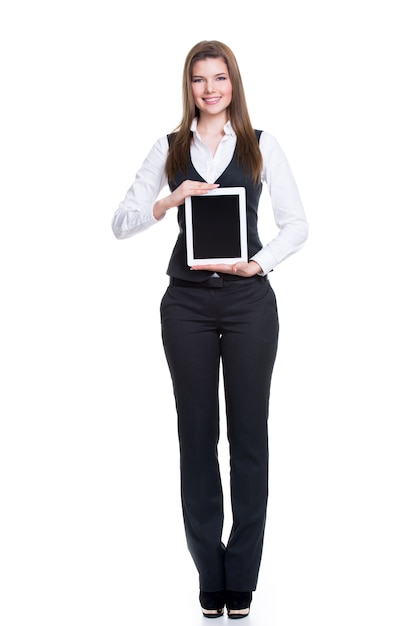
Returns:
(135, 213)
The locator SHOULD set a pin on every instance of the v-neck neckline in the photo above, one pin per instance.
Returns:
(220, 175)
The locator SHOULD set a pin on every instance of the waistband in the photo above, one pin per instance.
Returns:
(214, 282)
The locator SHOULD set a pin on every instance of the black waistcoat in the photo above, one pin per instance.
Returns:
(232, 176)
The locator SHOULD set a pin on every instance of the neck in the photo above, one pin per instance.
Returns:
(210, 125)
(211, 132)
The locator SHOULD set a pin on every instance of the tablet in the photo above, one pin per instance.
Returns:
(216, 227)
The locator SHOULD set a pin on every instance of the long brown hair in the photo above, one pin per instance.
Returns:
(248, 150)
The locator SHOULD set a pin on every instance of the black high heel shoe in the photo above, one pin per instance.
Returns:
(212, 603)
(238, 603)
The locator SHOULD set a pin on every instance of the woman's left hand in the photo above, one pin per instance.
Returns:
(240, 269)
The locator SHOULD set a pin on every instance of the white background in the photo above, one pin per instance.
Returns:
(91, 529)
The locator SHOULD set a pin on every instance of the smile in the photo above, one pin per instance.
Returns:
(211, 100)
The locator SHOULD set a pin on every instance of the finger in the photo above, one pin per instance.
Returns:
(219, 267)
(202, 187)
(198, 183)
(199, 191)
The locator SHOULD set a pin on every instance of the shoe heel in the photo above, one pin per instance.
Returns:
(238, 604)
(212, 603)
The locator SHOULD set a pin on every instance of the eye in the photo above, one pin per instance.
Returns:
(197, 80)
(222, 77)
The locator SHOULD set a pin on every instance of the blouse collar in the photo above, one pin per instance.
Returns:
(228, 130)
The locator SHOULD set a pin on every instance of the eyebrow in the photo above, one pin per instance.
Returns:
(215, 75)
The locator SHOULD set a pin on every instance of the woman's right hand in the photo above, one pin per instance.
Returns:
(178, 196)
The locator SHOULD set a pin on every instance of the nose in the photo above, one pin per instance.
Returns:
(209, 86)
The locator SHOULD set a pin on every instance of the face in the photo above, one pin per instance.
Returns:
(211, 86)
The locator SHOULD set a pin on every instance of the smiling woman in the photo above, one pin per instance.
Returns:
(219, 312)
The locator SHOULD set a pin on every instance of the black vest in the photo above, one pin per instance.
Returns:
(233, 176)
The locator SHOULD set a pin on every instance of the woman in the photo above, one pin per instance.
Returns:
(219, 312)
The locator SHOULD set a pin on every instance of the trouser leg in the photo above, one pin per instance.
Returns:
(192, 348)
(249, 346)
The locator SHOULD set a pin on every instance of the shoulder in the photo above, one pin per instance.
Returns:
(267, 141)
(157, 155)
(160, 146)
(163, 141)
(269, 145)
(173, 135)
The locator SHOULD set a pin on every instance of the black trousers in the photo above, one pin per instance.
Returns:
(236, 322)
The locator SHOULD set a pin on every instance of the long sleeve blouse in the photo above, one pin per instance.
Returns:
(135, 212)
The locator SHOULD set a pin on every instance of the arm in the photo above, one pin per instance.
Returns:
(288, 214)
(288, 210)
(135, 213)
(140, 209)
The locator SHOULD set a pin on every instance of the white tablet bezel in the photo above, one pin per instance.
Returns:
(220, 191)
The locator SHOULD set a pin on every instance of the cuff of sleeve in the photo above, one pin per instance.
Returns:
(265, 260)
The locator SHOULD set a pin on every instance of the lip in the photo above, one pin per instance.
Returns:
(212, 100)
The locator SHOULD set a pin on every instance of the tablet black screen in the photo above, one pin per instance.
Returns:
(216, 226)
